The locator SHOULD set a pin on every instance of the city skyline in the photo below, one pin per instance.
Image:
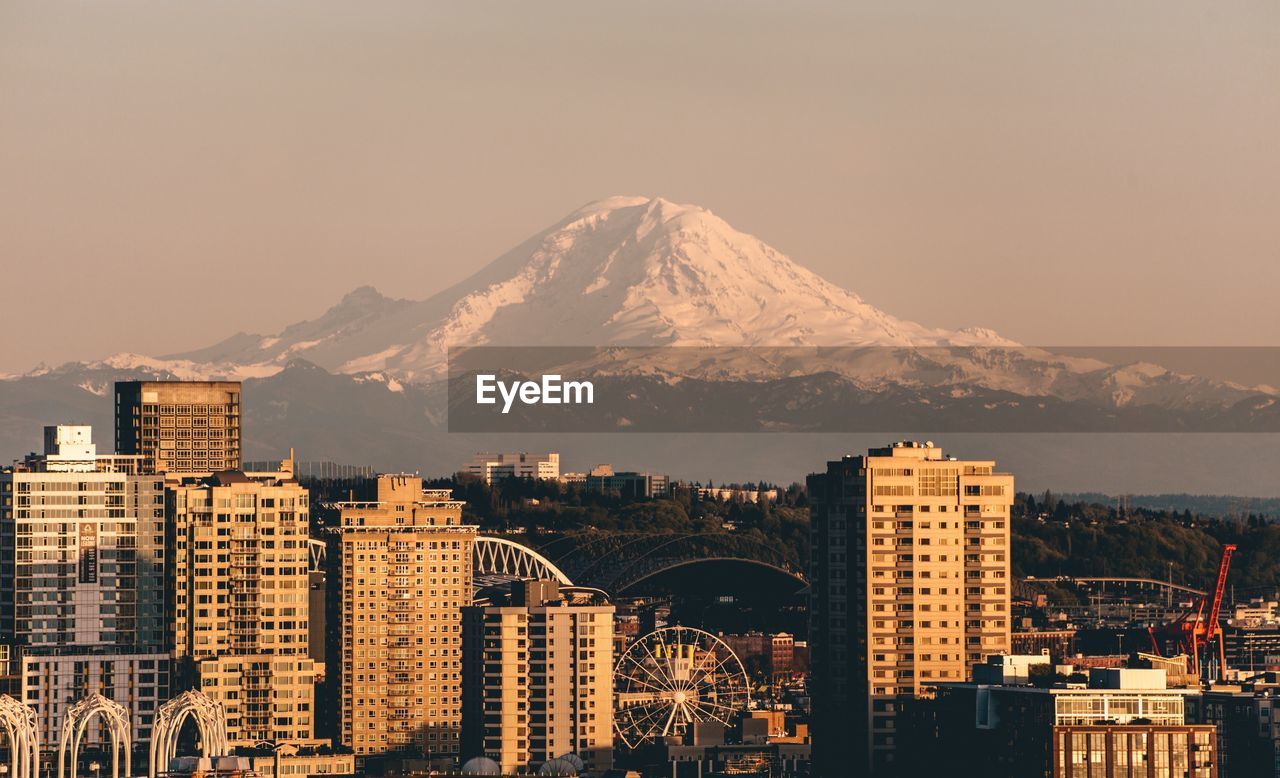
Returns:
(683, 389)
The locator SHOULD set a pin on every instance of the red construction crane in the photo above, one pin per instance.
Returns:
(1192, 632)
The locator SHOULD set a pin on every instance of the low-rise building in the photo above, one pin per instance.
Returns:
(1124, 722)
(1246, 719)
(490, 467)
(737, 494)
(629, 484)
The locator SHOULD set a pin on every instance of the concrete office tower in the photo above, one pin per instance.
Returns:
(185, 427)
(82, 581)
(239, 595)
(909, 588)
(538, 679)
(490, 467)
(404, 572)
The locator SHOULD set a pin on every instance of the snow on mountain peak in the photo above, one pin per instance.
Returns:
(622, 271)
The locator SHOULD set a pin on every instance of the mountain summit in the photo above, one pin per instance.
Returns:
(624, 271)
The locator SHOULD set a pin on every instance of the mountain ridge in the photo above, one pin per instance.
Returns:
(645, 271)
(619, 271)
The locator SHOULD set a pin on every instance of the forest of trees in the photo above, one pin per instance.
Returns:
(1054, 537)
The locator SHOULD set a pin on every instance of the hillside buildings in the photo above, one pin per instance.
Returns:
(910, 587)
(490, 467)
(238, 572)
(538, 681)
(184, 427)
(404, 573)
(82, 594)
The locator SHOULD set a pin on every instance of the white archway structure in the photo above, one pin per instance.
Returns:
(210, 720)
(18, 722)
(490, 555)
(116, 719)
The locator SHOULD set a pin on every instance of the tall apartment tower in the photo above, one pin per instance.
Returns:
(404, 569)
(909, 588)
(185, 427)
(82, 581)
(537, 676)
(238, 580)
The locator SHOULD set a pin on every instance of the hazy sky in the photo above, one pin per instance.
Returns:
(1085, 172)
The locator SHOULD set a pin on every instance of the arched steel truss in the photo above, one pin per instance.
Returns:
(18, 722)
(631, 558)
(116, 718)
(210, 719)
(490, 555)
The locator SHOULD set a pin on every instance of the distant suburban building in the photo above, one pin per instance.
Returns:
(1123, 723)
(538, 679)
(184, 427)
(82, 589)
(490, 467)
(404, 570)
(605, 480)
(909, 588)
(734, 494)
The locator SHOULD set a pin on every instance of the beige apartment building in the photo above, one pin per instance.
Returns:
(910, 588)
(538, 679)
(237, 545)
(184, 427)
(405, 575)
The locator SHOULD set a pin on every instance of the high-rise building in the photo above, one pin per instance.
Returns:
(538, 679)
(909, 588)
(82, 581)
(404, 568)
(239, 594)
(184, 427)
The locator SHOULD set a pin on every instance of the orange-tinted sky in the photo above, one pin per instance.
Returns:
(1086, 172)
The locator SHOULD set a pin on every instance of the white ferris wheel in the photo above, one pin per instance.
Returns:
(672, 678)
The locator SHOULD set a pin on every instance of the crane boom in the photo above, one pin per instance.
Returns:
(1218, 590)
(1193, 631)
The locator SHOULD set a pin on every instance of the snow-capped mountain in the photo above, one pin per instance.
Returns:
(636, 271)
(749, 340)
(631, 272)
(622, 271)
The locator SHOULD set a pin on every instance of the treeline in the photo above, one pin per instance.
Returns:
(1051, 537)
(550, 508)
